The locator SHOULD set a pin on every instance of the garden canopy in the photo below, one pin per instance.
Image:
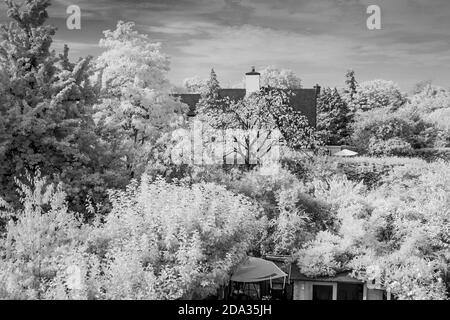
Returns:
(345, 153)
(256, 270)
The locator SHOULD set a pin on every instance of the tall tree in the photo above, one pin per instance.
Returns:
(136, 107)
(348, 95)
(45, 108)
(350, 86)
(210, 100)
(333, 118)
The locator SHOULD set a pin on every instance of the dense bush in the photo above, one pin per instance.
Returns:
(160, 241)
(39, 239)
(381, 132)
(396, 235)
(431, 154)
(376, 94)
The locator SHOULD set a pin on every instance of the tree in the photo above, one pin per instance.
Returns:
(254, 126)
(210, 99)
(136, 108)
(45, 109)
(194, 85)
(351, 86)
(294, 217)
(38, 241)
(429, 108)
(409, 234)
(333, 118)
(421, 86)
(279, 78)
(160, 241)
(348, 95)
(187, 249)
(395, 237)
(381, 132)
(429, 99)
(378, 94)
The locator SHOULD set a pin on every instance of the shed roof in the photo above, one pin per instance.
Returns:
(344, 276)
(283, 262)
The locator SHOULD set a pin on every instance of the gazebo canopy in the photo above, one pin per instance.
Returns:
(256, 270)
(345, 153)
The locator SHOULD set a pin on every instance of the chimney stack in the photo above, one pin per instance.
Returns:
(252, 83)
(317, 87)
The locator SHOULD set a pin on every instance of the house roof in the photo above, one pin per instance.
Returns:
(303, 100)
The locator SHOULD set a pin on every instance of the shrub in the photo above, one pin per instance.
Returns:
(39, 239)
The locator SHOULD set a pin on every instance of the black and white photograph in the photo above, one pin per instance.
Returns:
(237, 152)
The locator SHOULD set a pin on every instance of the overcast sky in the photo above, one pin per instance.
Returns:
(318, 39)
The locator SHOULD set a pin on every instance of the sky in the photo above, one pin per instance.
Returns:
(318, 39)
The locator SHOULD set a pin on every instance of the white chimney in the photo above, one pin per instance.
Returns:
(252, 81)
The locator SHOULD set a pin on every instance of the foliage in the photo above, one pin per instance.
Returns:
(432, 154)
(253, 126)
(45, 111)
(385, 218)
(136, 108)
(294, 216)
(380, 132)
(432, 104)
(351, 86)
(194, 85)
(279, 78)
(160, 241)
(317, 258)
(333, 118)
(430, 98)
(395, 236)
(378, 94)
(186, 240)
(40, 238)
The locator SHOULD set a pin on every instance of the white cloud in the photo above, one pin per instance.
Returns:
(232, 50)
(183, 28)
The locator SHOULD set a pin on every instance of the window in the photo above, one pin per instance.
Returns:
(322, 292)
(350, 291)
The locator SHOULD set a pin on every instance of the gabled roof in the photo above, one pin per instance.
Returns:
(303, 100)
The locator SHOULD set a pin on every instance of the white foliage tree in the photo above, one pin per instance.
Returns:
(136, 108)
(194, 84)
(279, 78)
(378, 94)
